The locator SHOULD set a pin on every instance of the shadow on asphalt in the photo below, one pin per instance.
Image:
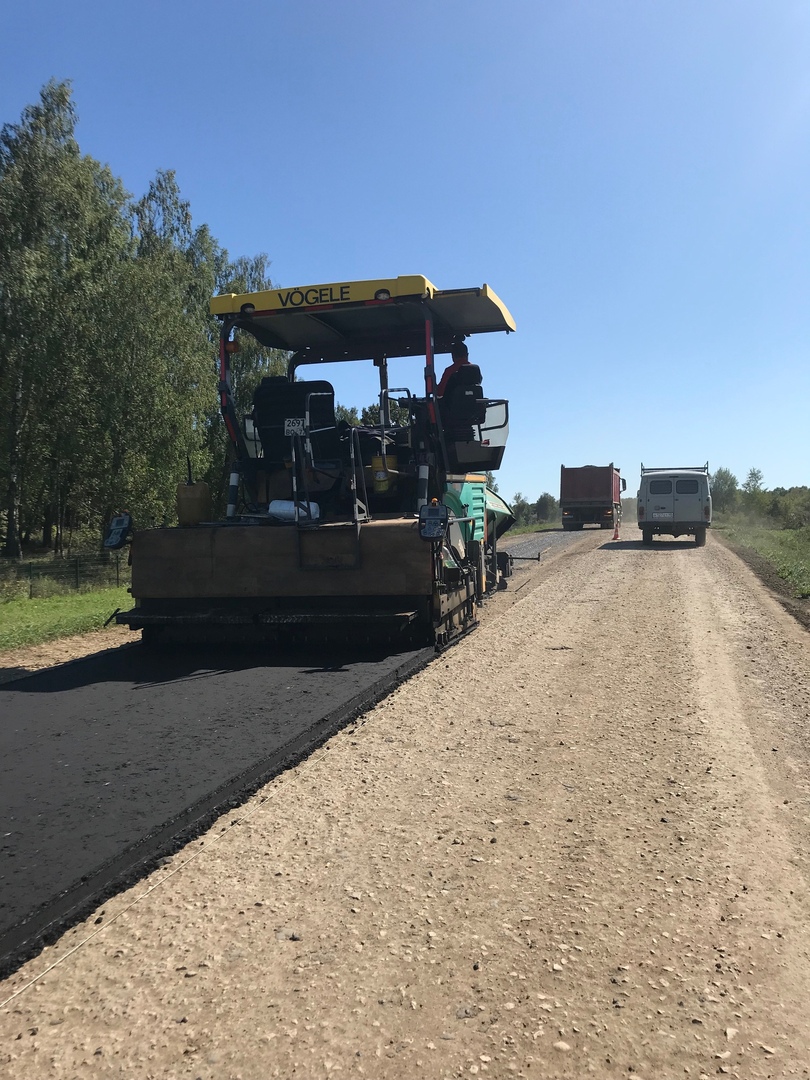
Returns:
(142, 668)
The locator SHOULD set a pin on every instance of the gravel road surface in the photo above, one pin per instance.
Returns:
(575, 845)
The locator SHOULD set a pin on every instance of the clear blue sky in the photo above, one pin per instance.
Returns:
(631, 177)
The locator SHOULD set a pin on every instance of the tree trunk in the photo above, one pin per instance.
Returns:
(12, 548)
(49, 520)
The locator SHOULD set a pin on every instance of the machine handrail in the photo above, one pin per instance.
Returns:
(359, 508)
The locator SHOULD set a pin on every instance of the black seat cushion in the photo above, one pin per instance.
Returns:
(463, 403)
(276, 399)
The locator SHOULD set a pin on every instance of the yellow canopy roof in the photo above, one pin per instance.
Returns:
(361, 319)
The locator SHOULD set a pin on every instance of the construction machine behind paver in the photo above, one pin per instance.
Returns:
(355, 533)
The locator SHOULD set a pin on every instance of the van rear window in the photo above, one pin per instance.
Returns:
(686, 487)
(661, 487)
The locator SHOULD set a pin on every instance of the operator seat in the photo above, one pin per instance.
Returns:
(276, 399)
(463, 404)
(323, 433)
(271, 404)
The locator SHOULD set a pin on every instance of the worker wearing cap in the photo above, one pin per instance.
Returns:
(460, 356)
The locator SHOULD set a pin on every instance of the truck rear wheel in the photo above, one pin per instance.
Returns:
(646, 536)
(700, 537)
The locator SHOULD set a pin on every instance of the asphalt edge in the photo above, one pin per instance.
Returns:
(49, 922)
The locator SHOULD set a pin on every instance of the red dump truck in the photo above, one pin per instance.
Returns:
(591, 495)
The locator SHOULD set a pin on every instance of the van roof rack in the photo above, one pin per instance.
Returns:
(674, 468)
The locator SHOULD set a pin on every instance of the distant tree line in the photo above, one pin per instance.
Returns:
(782, 508)
(779, 507)
(108, 356)
(542, 511)
(369, 415)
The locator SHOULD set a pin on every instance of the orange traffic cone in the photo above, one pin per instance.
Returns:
(616, 531)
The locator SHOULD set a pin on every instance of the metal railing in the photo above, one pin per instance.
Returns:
(37, 578)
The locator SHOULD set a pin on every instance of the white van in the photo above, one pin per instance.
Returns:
(676, 502)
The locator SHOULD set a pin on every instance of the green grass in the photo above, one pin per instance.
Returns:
(30, 622)
(787, 549)
(518, 530)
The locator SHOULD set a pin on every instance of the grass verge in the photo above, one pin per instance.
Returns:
(31, 622)
(788, 550)
(519, 530)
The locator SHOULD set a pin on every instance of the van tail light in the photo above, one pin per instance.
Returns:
(707, 512)
(640, 512)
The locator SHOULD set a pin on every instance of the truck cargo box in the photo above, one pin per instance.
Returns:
(591, 494)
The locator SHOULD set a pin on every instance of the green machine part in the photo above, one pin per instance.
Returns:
(469, 497)
(499, 513)
(466, 498)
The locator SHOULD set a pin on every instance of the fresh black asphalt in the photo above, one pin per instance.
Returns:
(99, 755)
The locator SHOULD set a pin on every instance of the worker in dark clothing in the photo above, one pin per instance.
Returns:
(460, 357)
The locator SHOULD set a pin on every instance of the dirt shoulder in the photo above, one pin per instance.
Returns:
(768, 574)
(577, 844)
(16, 663)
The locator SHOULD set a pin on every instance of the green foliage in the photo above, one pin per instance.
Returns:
(547, 508)
(348, 414)
(754, 498)
(63, 231)
(789, 509)
(753, 482)
(774, 523)
(781, 508)
(787, 549)
(531, 527)
(724, 490)
(109, 375)
(253, 361)
(30, 622)
(522, 509)
(528, 515)
(48, 575)
(370, 414)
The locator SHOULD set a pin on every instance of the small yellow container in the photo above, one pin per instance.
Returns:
(383, 472)
(193, 503)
